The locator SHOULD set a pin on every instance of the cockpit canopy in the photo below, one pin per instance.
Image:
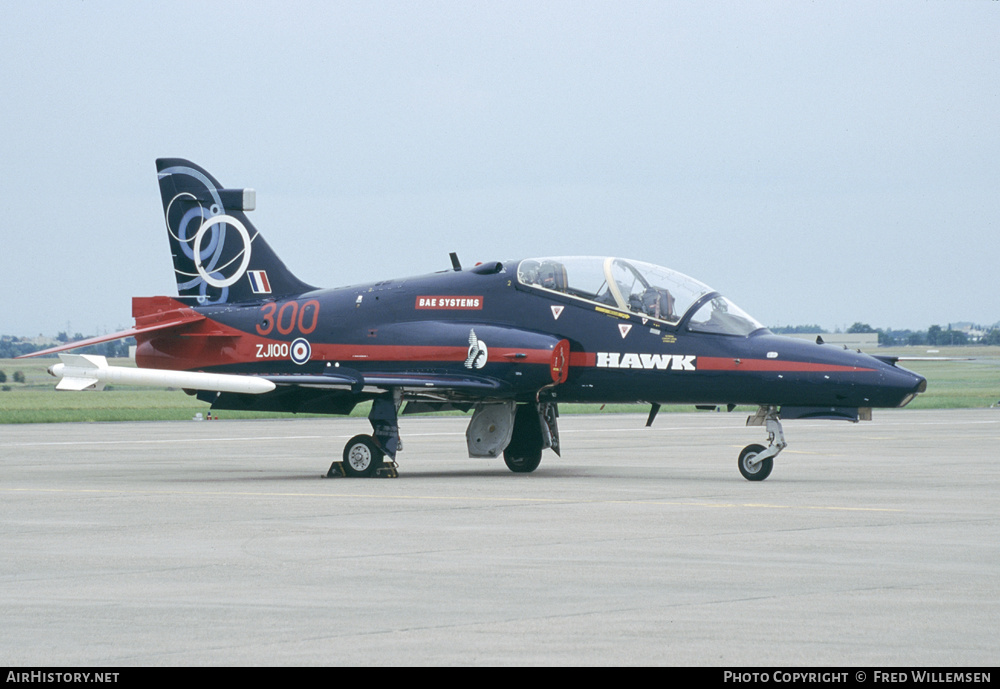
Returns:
(634, 286)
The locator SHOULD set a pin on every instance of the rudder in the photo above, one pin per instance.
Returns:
(219, 256)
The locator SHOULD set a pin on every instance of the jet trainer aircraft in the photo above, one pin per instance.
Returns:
(506, 339)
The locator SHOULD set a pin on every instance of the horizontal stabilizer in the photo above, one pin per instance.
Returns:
(176, 319)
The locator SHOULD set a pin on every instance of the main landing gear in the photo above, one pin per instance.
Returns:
(519, 431)
(756, 461)
(535, 428)
(364, 458)
(365, 455)
(524, 452)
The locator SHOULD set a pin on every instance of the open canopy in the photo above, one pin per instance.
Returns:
(637, 287)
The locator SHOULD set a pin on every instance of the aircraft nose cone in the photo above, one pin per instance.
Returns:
(907, 383)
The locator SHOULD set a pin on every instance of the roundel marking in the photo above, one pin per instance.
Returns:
(300, 351)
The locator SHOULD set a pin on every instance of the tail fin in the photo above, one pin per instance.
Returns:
(219, 256)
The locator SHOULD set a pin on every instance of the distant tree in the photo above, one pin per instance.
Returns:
(11, 347)
(63, 337)
(954, 337)
(861, 328)
(889, 337)
(934, 335)
(18, 376)
(793, 329)
(992, 337)
(3, 377)
(917, 338)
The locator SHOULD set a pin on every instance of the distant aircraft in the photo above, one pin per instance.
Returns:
(506, 339)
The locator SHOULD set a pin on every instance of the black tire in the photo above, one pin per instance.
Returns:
(522, 462)
(524, 452)
(756, 472)
(362, 457)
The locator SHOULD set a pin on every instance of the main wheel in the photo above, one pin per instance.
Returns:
(362, 457)
(524, 451)
(754, 472)
(522, 461)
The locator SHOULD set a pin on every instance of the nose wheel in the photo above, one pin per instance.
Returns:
(756, 461)
(752, 468)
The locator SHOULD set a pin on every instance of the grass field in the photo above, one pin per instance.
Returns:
(950, 385)
(954, 384)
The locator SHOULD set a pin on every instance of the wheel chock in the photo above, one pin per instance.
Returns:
(387, 470)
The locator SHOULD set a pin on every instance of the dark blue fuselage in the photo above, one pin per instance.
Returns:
(421, 326)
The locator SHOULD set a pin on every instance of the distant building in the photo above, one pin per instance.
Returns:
(972, 331)
(41, 341)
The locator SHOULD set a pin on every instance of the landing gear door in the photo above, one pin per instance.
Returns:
(490, 429)
(548, 412)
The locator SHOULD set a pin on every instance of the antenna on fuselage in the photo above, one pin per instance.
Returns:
(653, 411)
(454, 261)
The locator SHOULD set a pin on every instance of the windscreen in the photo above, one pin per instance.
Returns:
(637, 287)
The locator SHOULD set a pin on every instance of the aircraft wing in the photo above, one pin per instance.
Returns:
(356, 381)
(339, 392)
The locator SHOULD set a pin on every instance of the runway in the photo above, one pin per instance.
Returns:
(217, 543)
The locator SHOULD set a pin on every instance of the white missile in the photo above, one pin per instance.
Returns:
(89, 372)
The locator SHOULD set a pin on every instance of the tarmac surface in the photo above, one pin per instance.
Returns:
(217, 543)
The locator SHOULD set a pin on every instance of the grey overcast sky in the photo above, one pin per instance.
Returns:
(818, 162)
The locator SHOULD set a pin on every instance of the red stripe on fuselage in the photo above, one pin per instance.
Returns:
(209, 343)
(194, 346)
(713, 363)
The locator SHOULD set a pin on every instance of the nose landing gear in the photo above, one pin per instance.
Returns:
(756, 461)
